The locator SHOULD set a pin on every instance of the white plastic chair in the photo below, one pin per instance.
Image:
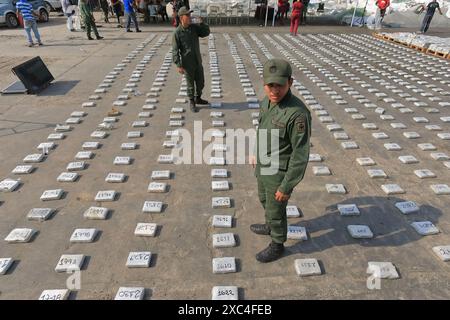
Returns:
(153, 10)
(214, 11)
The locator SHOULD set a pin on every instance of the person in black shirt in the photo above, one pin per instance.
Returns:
(431, 8)
(304, 11)
(117, 8)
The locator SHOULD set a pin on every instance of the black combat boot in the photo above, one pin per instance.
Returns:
(273, 252)
(192, 105)
(199, 100)
(260, 228)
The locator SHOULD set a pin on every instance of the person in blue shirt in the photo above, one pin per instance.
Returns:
(131, 14)
(29, 21)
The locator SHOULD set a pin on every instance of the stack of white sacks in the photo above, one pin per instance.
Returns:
(429, 42)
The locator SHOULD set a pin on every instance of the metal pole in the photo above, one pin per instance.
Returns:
(364, 12)
(249, 8)
(354, 12)
(207, 16)
(273, 18)
(267, 12)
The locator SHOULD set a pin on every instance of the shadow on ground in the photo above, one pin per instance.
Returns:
(389, 226)
(59, 88)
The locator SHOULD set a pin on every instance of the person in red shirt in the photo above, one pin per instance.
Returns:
(382, 5)
(297, 8)
(280, 12)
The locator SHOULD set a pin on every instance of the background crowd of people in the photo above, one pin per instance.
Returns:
(79, 14)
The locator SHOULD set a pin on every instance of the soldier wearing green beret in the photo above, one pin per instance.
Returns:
(282, 153)
(186, 55)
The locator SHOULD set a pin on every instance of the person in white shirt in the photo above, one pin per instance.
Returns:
(68, 10)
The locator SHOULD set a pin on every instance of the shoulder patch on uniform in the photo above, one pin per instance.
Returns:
(300, 123)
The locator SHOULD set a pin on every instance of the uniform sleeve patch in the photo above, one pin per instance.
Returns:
(300, 124)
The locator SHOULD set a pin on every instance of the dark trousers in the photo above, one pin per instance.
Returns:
(304, 12)
(164, 14)
(106, 13)
(132, 16)
(90, 24)
(195, 82)
(275, 211)
(426, 22)
(105, 9)
(117, 11)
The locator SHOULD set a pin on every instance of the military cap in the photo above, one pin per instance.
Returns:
(277, 71)
(184, 11)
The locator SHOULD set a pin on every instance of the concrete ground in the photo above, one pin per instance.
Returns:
(181, 266)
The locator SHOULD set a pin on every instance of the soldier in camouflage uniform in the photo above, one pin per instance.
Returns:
(283, 136)
(187, 56)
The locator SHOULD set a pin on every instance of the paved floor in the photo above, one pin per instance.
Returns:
(348, 61)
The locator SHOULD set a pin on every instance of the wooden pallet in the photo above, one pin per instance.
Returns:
(437, 53)
(391, 39)
(381, 36)
(421, 49)
(378, 35)
(418, 48)
(400, 42)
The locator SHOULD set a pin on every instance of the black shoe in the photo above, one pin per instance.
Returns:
(138, 30)
(129, 30)
(90, 38)
(258, 228)
(273, 252)
(199, 100)
(192, 105)
(99, 38)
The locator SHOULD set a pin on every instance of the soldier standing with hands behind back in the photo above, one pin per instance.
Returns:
(186, 55)
(282, 153)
